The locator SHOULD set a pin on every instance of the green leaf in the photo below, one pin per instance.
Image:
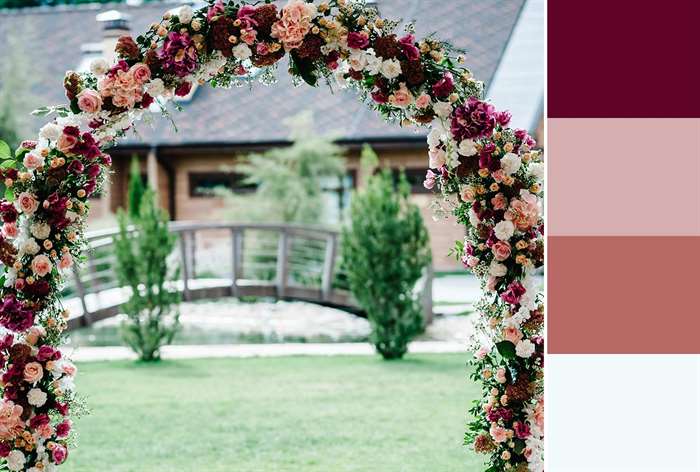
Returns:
(506, 349)
(5, 152)
(9, 195)
(519, 446)
(8, 164)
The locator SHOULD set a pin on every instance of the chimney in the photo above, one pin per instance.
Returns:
(114, 25)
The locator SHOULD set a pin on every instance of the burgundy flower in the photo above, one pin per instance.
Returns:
(379, 96)
(331, 60)
(14, 315)
(40, 288)
(90, 187)
(503, 118)
(146, 100)
(215, 10)
(499, 413)
(127, 47)
(522, 430)
(28, 144)
(245, 15)
(62, 408)
(409, 48)
(47, 353)
(39, 420)
(63, 428)
(358, 40)
(183, 89)
(76, 167)
(93, 170)
(513, 293)
(9, 212)
(5, 449)
(6, 341)
(71, 131)
(106, 160)
(475, 119)
(445, 86)
(179, 55)
(59, 453)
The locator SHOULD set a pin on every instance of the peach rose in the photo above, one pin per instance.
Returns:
(66, 261)
(140, 72)
(34, 334)
(498, 433)
(524, 214)
(66, 142)
(498, 175)
(402, 97)
(33, 372)
(41, 265)
(27, 203)
(45, 430)
(123, 100)
(512, 334)
(89, 101)
(11, 423)
(501, 375)
(423, 101)
(10, 230)
(34, 160)
(248, 36)
(294, 24)
(499, 202)
(467, 193)
(501, 250)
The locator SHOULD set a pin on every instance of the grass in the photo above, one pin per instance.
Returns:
(331, 414)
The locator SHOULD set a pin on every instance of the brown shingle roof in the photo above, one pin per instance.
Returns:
(54, 36)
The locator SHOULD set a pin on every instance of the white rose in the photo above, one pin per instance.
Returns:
(504, 230)
(36, 397)
(525, 348)
(155, 87)
(434, 137)
(467, 147)
(374, 64)
(30, 247)
(358, 60)
(40, 230)
(536, 169)
(185, 14)
(391, 68)
(16, 460)
(497, 269)
(442, 109)
(510, 163)
(242, 52)
(473, 218)
(99, 66)
(51, 131)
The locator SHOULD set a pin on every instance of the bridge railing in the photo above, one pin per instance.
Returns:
(218, 259)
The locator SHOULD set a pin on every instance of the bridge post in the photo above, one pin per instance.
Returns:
(329, 267)
(80, 288)
(185, 266)
(282, 263)
(236, 259)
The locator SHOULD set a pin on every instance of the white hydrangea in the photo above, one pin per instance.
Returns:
(525, 348)
(442, 109)
(467, 147)
(16, 460)
(30, 247)
(496, 269)
(391, 68)
(155, 87)
(185, 14)
(504, 230)
(536, 170)
(51, 131)
(99, 66)
(36, 397)
(374, 63)
(40, 230)
(242, 52)
(510, 163)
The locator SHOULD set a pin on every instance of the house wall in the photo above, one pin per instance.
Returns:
(443, 233)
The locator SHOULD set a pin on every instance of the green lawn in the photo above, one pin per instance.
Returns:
(277, 414)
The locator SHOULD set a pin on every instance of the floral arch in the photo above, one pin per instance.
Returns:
(489, 176)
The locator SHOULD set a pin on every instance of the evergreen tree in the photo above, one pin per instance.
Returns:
(136, 188)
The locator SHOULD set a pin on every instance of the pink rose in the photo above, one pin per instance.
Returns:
(10, 230)
(523, 214)
(41, 265)
(89, 101)
(481, 353)
(423, 101)
(491, 283)
(467, 193)
(69, 369)
(27, 203)
(45, 430)
(402, 97)
(66, 261)
(294, 24)
(123, 101)
(358, 40)
(512, 334)
(33, 160)
(437, 158)
(501, 250)
(11, 423)
(472, 261)
(429, 181)
(248, 36)
(140, 72)
(498, 433)
(499, 202)
(501, 375)
(33, 372)
(34, 334)
(498, 175)
(59, 453)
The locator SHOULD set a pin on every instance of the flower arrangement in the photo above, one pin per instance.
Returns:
(490, 177)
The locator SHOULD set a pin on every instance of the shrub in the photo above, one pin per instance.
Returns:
(385, 251)
(151, 312)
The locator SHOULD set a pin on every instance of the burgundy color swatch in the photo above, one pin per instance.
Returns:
(623, 58)
(623, 295)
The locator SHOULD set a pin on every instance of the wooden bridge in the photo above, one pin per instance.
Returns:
(285, 262)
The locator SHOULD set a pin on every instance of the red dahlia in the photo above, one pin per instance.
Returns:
(387, 47)
(265, 16)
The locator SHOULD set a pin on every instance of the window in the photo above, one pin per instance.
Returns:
(203, 184)
(415, 178)
(336, 195)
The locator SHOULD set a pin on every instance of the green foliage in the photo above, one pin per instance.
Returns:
(385, 251)
(288, 179)
(142, 264)
(136, 188)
